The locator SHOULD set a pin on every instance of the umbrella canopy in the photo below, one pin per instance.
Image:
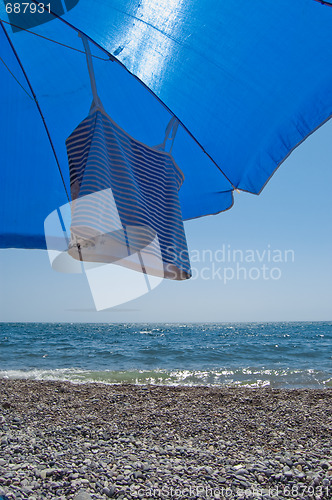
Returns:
(248, 81)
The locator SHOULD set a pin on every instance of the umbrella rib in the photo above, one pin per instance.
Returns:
(38, 107)
(27, 93)
(113, 58)
(323, 2)
(54, 41)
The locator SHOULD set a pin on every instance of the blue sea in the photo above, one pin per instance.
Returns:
(279, 355)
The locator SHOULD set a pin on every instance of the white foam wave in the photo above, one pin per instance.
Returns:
(245, 377)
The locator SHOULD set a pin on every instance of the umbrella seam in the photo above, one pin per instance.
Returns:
(54, 41)
(16, 79)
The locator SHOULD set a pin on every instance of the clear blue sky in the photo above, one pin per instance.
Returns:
(292, 213)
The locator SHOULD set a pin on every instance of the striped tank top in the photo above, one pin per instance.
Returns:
(125, 200)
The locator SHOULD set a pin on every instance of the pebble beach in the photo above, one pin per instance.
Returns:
(60, 441)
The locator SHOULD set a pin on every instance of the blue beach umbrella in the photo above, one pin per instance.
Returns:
(247, 82)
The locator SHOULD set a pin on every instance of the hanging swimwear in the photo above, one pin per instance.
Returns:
(124, 197)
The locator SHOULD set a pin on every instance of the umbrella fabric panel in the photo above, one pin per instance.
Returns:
(250, 80)
(30, 182)
(132, 183)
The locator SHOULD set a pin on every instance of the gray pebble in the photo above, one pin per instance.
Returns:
(241, 472)
(109, 492)
(138, 474)
(288, 474)
(83, 495)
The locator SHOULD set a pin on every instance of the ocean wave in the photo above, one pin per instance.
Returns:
(244, 377)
